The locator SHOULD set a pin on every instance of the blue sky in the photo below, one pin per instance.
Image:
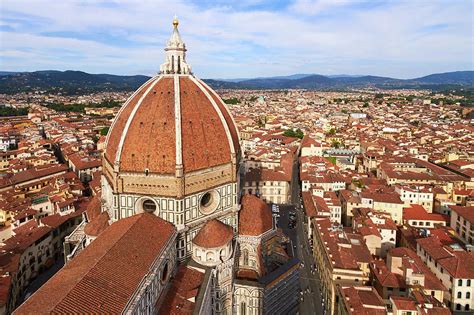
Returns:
(245, 38)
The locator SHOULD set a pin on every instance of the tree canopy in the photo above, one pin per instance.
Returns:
(10, 111)
(298, 133)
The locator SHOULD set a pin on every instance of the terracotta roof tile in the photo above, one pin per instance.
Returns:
(203, 136)
(97, 225)
(214, 234)
(99, 279)
(151, 138)
(185, 286)
(255, 217)
(113, 137)
(204, 139)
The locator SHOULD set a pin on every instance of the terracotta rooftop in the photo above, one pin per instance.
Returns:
(345, 250)
(214, 234)
(150, 114)
(456, 261)
(184, 289)
(255, 217)
(404, 303)
(97, 225)
(309, 206)
(417, 212)
(465, 212)
(362, 301)
(413, 261)
(99, 279)
(93, 208)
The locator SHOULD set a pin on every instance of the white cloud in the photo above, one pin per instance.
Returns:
(396, 38)
(312, 7)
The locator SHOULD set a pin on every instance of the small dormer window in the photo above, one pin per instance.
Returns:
(146, 171)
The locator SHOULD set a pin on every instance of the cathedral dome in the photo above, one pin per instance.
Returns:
(173, 126)
(172, 121)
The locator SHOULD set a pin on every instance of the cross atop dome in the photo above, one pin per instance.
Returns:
(175, 59)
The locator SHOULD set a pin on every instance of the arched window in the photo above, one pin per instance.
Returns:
(165, 273)
(245, 254)
(210, 256)
(172, 64)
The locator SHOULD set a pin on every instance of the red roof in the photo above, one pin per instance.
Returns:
(184, 288)
(308, 203)
(101, 279)
(152, 129)
(93, 208)
(465, 212)
(255, 217)
(404, 303)
(214, 234)
(97, 225)
(417, 212)
(456, 261)
(362, 301)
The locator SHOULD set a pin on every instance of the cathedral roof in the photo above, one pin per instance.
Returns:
(93, 208)
(214, 234)
(105, 275)
(173, 121)
(97, 225)
(255, 217)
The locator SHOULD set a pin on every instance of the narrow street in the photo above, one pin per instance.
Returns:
(310, 285)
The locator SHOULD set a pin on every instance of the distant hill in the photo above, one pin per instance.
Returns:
(314, 81)
(291, 77)
(78, 82)
(69, 82)
(8, 73)
(457, 77)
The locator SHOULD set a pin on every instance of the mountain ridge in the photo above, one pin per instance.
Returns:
(76, 82)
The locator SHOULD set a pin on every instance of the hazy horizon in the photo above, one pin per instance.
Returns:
(235, 78)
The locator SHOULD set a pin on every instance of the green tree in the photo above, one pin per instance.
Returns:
(232, 101)
(104, 131)
(298, 133)
(335, 144)
(253, 98)
(10, 111)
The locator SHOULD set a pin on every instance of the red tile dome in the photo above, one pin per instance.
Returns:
(255, 217)
(214, 234)
(172, 121)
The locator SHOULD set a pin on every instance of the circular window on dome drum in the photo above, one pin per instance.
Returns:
(149, 206)
(209, 202)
